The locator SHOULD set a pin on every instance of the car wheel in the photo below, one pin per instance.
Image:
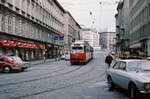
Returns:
(6, 69)
(22, 70)
(110, 84)
(133, 91)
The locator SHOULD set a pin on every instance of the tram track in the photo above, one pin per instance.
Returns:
(59, 88)
(40, 78)
(50, 76)
(82, 74)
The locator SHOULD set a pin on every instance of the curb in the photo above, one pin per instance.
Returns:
(41, 62)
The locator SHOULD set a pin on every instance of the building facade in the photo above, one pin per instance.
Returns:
(107, 40)
(91, 36)
(140, 27)
(25, 23)
(72, 30)
(122, 26)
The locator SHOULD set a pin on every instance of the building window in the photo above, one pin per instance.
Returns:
(23, 5)
(0, 20)
(9, 1)
(3, 22)
(17, 2)
(16, 26)
(36, 11)
(23, 28)
(28, 6)
(32, 10)
(9, 24)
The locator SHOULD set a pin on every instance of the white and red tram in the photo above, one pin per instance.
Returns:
(81, 52)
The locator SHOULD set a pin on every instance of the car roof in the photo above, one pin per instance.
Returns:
(4, 56)
(131, 60)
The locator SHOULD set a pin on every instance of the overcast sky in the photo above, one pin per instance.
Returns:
(103, 14)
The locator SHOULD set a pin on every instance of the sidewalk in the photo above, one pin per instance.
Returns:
(37, 62)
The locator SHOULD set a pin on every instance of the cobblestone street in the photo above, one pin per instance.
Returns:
(60, 80)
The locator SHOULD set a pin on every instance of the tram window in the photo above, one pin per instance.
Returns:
(77, 48)
(84, 48)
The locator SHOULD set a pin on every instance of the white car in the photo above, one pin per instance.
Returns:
(131, 75)
(62, 57)
(67, 57)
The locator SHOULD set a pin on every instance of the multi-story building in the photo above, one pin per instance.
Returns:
(140, 27)
(107, 40)
(72, 30)
(91, 36)
(27, 27)
(122, 26)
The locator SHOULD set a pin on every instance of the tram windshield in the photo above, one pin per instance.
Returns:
(77, 50)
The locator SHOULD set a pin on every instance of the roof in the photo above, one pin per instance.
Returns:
(58, 4)
(73, 19)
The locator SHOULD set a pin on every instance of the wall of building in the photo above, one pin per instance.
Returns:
(139, 20)
(72, 30)
(108, 40)
(91, 36)
(123, 25)
(32, 21)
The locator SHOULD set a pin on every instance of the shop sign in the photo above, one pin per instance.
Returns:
(58, 38)
(61, 38)
(61, 35)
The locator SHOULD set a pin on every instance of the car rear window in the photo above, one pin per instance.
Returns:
(2, 59)
(139, 65)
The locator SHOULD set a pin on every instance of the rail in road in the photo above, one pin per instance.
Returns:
(59, 88)
(48, 90)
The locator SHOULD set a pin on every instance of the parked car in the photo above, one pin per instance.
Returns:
(131, 75)
(67, 56)
(8, 65)
(23, 65)
(62, 57)
(112, 53)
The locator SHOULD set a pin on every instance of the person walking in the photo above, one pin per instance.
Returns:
(108, 60)
(44, 57)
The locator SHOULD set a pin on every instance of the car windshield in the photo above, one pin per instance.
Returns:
(10, 59)
(17, 59)
(139, 66)
(77, 50)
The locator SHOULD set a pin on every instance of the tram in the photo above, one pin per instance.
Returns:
(81, 52)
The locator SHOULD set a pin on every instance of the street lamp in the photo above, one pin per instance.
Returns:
(93, 19)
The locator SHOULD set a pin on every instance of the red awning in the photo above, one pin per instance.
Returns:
(12, 43)
(20, 45)
(41, 47)
(5, 43)
(30, 46)
(25, 45)
(34, 46)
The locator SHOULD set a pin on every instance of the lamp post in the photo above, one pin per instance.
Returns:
(91, 14)
(100, 3)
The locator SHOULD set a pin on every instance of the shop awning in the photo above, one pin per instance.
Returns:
(12, 44)
(34, 46)
(9, 43)
(25, 45)
(41, 47)
(20, 45)
(5, 43)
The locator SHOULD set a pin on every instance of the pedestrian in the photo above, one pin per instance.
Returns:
(108, 60)
(44, 57)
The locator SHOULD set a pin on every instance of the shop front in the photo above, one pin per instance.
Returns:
(26, 51)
